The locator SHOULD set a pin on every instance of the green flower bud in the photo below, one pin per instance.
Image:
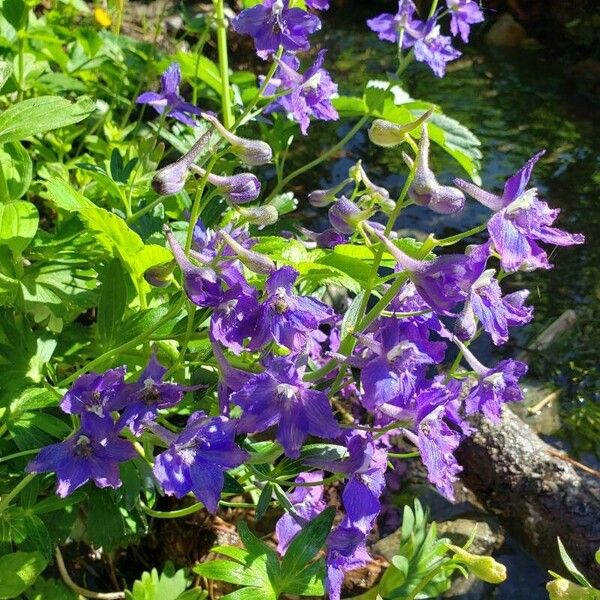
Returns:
(563, 589)
(388, 135)
(259, 215)
(485, 568)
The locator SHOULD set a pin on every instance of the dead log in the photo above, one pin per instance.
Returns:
(537, 495)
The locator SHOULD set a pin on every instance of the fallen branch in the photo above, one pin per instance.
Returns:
(537, 493)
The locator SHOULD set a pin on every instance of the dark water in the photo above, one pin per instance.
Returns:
(516, 102)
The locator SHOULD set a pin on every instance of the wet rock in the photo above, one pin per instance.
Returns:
(489, 535)
(506, 32)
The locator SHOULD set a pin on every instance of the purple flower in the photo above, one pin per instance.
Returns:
(310, 93)
(437, 443)
(94, 396)
(329, 238)
(521, 220)
(464, 13)
(496, 313)
(279, 396)
(442, 282)
(365, 483)
(169, 99)
(231, 319)
(346, 550)
(307, 502)
(143, 399)
(318, 4)
(435, 49)
(196, 460)
(494, 387)
(388, 26)
(82, 457)
(345, 216)
(202, 285)
(273, 24)
(397, 368)
(284, 317)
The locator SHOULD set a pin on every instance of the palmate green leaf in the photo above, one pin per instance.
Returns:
(44, 113)
(105, 523)
(315, 275)
(18, 224)
(207, 70)
(18, 571)
(169, 585)
(304, 547)
(37, 537)
(16, 166)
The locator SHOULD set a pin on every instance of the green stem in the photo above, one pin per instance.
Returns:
(449, 241)
(136, 341)
(223, 63)
(6, 500)
(404, 454)
(21, 58)
(188, 510)
(323, 157)
(19, 454)
(240, 120)
(146, 209)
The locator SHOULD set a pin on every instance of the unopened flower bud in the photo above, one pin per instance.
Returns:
(388, 135)
(485, 568)
(344, 215)
(251, 152)
(171, 179)
(563, 589)
(238, 189)
(320, 198)
(373, 190)
(425, 189)
(159, 275)
(329, 238)
(260, 215)
(257, 263)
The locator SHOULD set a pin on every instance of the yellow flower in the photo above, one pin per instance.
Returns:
(102, 17)
(484, 567)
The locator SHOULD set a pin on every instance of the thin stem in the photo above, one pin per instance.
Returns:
(146, 209)
(21, 58)
(136, 341)
(19, 454)
(119, 19)
(240, 120)
(6, 500)
(223, 63)
(323, 157)
(188, 510)
(60, 563)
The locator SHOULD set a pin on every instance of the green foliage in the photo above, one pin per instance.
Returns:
(18, 571)
(263, 574)
(560, 588)
(169, 585)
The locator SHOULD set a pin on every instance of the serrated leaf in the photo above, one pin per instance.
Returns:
(169, 585)
(66, 197)
(285, 203)
(37, 115)
(18, 224)
(251, 593)
(37, 537)
(316, 275)
(105, 523)
(18, 571)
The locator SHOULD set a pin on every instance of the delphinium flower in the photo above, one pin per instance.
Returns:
(345, 215)
(425, 189)
(307, 502)
(318, 4)
(425, 37)
(86, 455)
(94, 397)
(273, 23)
(168, 99)
(324, 197)
(310, 92)
(197, 459)
(142, 400)
(346, 549)
(494, 386)
(521, 221)
(495, 312)
(463, 13)
(442, 282)
(329, 238)
(283, 316)
(237, 189)
(397, 367)
(279, 396)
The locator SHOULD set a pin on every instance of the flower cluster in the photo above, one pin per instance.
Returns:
(280, 32)
(424, 38)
